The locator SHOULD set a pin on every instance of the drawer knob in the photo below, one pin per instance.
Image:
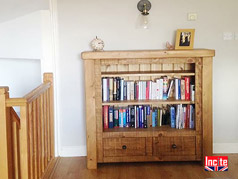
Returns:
(174, 146)
(124, 147)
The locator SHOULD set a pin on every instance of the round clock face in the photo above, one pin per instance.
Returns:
(97, 44)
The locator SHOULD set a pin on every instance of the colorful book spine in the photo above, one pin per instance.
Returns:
(172, 117)
(165, 88)
(114, 89)
(116, 118)
(120, 117)
(187, 88)
(110, 113)
(128, 118)
(132, 114)
(179, 88)
(105, 117)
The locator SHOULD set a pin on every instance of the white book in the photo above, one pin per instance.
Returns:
(161, 86)
(192, 92)
(128, 90)
(184, 116)
(132, 90)
(157, 88)
(104, 89)
(176, 89)
(140, 90)
(150, 90)
(177, 116)
(154, 90)
(143, 90)
(122, 90)
(181, 117)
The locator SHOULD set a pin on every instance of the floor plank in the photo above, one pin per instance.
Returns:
(75, 168)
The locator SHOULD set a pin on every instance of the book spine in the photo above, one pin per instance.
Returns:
(172, 117)
(145, 117)
(187, 90)
(157, 95)
(135, 109)
(139, 110)
(192, 92)
(128, 90)
(110, 116)
(125, 90)
(142, 117)
(192, 117)
(116, 118)
(120, 117)
(128, 117)
(111, 89)
(182, 89)
(150, 90)
(137, 116)
(165, 88)
(118, 88)
(179, 88)
(124, 117)
(161, 88)
(104, 89)
(161, 116)
(114, 89)
(153, 118)
(170, 88)
(105, 117)
(132, 113)
(176, 89)
(143, 90)
(132, 90)
(156, 116)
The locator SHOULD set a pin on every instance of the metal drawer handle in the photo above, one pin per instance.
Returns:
(174, 146)
(124, 147)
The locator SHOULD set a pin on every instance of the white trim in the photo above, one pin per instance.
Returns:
(55, 54)
(225, 147)
(73, 151)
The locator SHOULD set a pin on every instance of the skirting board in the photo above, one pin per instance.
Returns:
(73, 151)
(225, 147)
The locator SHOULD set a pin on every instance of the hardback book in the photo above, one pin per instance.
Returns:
(153, 117)
(179, 88)
(165, 88)
(192, 92)
(116, 118)
(143, 90)
(114, 89)
(128, 117)
(192, 117)
(187, 88)
(172, 117)
(104, 90)
(118, 89)
(132, 90)
(142, 116)
(128, 90)
(182, 89)
(161, 88)
(124, 117)
(105, 117)
(110, 116)
(137, 117)
(187, 116)
(125, 90)
(171, 89)
(176, 89)
(120, 117)
(132, 116)
(111, 89)
(122, 89)
(156, 116)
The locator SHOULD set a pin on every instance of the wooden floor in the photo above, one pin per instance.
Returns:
(75, 168)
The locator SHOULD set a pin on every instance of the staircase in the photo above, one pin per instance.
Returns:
(27, 141)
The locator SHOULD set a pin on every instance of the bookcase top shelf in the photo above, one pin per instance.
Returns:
(146, 54)
(147, 73)
(147, 102)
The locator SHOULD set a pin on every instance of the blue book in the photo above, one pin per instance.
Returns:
(140, 123)
(156, 116)
(179, 88)
(110, 116)
(148, 110)
(172, 117)
(153, 118)
(120, 117)
(142, 117)
(192, 117)
(124, 117)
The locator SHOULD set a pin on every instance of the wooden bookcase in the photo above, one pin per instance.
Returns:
(150, 144)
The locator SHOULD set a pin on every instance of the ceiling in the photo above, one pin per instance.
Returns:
(11, 9)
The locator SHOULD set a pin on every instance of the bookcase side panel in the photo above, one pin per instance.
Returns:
(207, 107)
(90, 114)
(98, 103)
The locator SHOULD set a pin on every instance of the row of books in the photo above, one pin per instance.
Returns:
(118, 89)
(144, 116)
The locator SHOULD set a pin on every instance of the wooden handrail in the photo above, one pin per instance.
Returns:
(27, 142)
(37, 92)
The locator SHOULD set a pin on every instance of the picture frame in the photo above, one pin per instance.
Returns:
(184, 39)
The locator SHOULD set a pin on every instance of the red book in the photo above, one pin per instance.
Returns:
(187, 116)
(187, 90)
(105, 117)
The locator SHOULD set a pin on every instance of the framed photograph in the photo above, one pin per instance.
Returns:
(184, 39)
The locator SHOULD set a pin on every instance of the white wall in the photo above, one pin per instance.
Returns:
(115, 22)
(20, 75)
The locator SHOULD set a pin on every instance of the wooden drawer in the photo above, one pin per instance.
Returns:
(174, 146)
(117, 147)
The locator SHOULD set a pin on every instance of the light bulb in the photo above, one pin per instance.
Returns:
(143, 21)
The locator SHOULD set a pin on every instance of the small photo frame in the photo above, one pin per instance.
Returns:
(184, 39)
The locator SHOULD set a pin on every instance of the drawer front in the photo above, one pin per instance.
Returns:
(117, 147)
(174, 146)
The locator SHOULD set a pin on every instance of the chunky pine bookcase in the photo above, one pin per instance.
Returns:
(150, 144)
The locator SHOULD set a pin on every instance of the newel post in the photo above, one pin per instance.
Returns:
(48, 77)
(4, 162)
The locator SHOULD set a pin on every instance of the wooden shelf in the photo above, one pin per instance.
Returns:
(147, 73)
(146, 102)
(147, 132)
